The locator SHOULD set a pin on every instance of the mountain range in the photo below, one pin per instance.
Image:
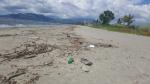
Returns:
(31, 18)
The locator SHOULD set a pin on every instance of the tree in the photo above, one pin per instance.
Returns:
(119, 21)
(106, 17)
(128, 19)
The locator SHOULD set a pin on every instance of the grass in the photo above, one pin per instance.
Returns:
(122, 28)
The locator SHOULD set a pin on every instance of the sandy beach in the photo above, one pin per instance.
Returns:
(39, 56)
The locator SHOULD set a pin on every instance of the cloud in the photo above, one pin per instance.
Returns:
(78, 8)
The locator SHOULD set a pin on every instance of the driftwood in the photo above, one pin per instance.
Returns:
(17, 73)
(10, 78)
(28, 50)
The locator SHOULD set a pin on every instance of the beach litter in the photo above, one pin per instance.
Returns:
(91, 46)
(86, 65)
(85, 68)
(86, 62)
(70, 59)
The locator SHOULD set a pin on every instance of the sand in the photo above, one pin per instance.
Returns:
(39, 56)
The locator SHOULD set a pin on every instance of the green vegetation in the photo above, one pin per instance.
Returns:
(128, 20)
(122, 28)
(124, 24)
(106, 17)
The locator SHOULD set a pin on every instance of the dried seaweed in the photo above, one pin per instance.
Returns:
(7, 35)
(28, 50)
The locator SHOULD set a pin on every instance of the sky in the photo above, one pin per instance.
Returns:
(78, 8)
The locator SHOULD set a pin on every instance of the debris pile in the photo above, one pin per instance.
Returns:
(27, 50)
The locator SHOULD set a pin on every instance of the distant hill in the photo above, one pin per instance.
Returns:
(28, 16)
(31, 18)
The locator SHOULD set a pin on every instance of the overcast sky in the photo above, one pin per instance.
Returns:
(78, 8)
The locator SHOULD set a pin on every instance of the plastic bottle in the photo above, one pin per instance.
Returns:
(70, 59)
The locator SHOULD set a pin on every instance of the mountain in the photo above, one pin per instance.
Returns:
(30, 18)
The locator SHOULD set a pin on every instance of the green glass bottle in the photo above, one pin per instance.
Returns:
(70, 59)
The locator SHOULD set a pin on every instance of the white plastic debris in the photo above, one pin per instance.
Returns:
(91, 46)
(85, 68)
